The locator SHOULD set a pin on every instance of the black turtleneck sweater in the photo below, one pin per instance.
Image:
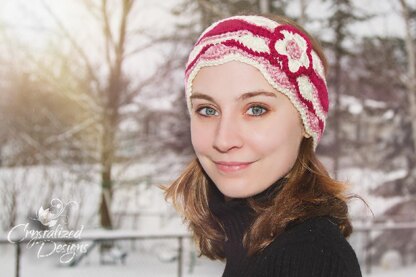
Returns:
(312, 248)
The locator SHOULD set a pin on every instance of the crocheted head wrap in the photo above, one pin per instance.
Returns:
(281, 52)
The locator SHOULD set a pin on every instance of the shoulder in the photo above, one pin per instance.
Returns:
(315, 229)
(317, 246)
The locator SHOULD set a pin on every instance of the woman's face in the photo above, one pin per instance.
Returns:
(245, 133)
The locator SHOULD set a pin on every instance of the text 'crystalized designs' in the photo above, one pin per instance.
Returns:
(56, 239)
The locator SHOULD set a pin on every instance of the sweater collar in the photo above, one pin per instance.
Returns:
(237, 216)
(222, 208)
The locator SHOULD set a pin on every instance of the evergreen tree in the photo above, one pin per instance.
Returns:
(399, 148)
(343, 15)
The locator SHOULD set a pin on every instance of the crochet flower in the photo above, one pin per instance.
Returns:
(294, 47)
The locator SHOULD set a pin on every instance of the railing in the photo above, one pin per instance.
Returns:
(368, 228)
(103, 236)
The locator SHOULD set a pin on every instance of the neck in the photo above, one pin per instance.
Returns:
(217, 198)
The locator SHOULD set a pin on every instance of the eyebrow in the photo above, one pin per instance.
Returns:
(199, 95)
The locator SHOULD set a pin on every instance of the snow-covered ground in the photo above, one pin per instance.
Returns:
(136, 264)
(409, 271)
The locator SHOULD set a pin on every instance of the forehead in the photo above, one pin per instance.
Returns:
(231, 77)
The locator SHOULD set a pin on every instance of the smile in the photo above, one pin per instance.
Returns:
(232, 166)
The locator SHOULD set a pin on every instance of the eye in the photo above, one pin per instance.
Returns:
(257, 110)
(208, 111)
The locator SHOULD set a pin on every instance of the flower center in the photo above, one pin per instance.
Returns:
(293, 50)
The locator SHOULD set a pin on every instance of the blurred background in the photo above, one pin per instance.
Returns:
(94, 120)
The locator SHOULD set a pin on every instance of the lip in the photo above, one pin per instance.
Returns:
(231, 166)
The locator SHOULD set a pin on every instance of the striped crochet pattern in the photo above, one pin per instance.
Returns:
(281, 52)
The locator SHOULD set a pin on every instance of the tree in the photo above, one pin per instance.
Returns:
(94, 93)
(401, 148)
(344, 14)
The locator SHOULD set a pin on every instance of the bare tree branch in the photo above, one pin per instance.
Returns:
(74, 43)
(410, 82)
(108, 36)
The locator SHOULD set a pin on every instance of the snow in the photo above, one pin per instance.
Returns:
(363, 180)
(136, 264)
(409, 271)
(354, 105)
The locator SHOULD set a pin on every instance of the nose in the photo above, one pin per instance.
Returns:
(228, 134)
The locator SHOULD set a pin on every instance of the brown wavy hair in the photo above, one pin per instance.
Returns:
(308, 192)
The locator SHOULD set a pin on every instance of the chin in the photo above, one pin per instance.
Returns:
(235, 191)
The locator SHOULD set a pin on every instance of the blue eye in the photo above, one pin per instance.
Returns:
(257, 110)
(208, 111)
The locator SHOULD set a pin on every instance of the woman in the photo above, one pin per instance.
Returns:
(256, 195)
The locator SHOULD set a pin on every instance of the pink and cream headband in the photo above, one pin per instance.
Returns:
(281, 52)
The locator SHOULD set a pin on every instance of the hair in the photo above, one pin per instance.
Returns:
(308, 192)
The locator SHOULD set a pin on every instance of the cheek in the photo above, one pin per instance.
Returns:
(200, 136)
(278, 135)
